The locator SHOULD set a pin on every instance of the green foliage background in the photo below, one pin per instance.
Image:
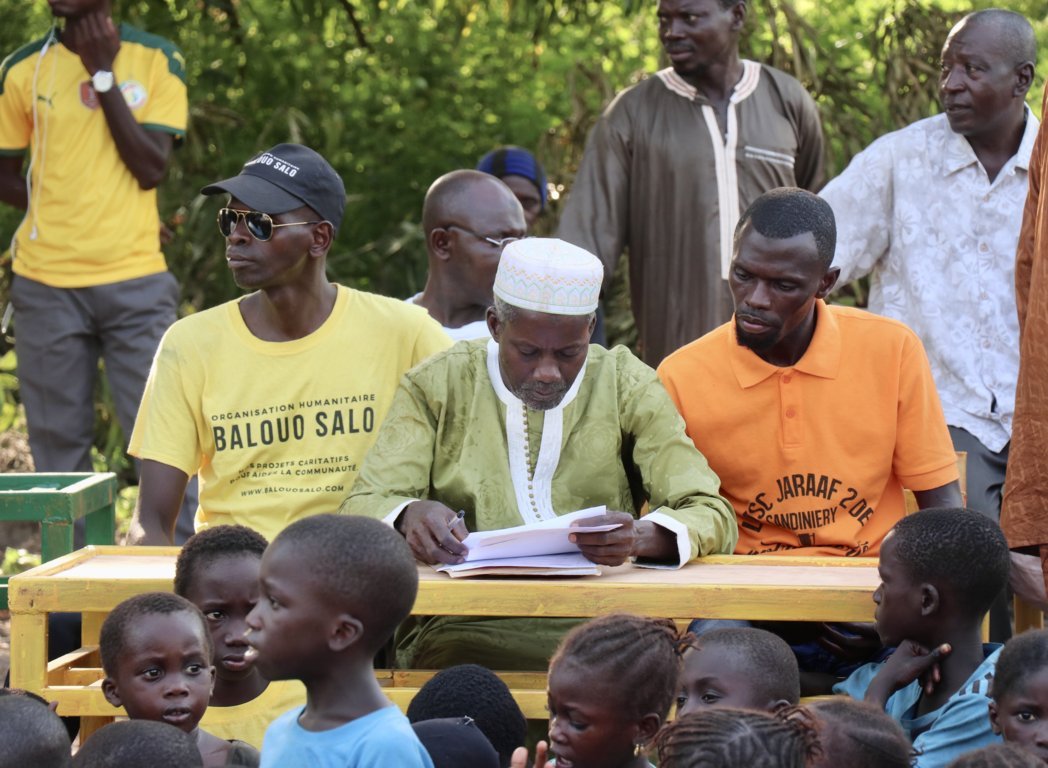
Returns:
(396, 92)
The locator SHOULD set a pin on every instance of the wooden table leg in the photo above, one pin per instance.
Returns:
(91, 627)
(90, 724)
(100, 527)
(28, 651)
(1026, 616)
(56, 539)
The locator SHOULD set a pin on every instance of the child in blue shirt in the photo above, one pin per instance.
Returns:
(940, 569)
(332, 590)
(1019, 710)
(217, 570)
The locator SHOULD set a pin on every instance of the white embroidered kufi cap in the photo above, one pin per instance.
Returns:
(548, 275)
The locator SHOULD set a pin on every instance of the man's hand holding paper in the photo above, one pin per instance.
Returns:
(548, 546)
(606, 547)
(434, 532)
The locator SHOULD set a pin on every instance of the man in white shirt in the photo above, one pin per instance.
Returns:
(468, 218)
(932, 212)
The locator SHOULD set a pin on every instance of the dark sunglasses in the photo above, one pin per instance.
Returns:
(259, 224)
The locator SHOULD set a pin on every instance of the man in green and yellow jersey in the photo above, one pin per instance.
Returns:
(88, 118)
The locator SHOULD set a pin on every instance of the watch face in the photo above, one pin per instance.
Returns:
(102, 81)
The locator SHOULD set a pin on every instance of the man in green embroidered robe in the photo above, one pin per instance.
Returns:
(524, 426)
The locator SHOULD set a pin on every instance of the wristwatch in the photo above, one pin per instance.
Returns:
(102, 81)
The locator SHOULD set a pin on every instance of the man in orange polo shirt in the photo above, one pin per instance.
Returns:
(815, 417)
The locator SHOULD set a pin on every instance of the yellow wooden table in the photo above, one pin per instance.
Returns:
(93, 580)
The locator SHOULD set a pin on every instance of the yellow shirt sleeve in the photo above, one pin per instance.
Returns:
(167, 109)
(431, 340)
(15, 112)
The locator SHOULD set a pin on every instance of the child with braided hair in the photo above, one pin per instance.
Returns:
(611, 684)
(725, 737)
(858, 735)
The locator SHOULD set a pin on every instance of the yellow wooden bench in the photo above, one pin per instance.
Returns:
(93, 580)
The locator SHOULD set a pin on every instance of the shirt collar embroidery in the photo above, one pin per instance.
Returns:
(533, 489)
(751, 75)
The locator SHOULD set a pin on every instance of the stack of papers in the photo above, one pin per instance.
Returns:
(538, 549)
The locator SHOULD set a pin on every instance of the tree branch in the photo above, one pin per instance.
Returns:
(358, 30)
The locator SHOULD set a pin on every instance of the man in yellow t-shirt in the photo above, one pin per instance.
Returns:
(88, 118)
(273, 399)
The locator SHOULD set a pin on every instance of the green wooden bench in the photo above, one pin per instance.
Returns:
(56, 500)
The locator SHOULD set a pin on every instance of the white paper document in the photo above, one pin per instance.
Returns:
(539, 548)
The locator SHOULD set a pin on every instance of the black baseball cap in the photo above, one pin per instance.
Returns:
(284, 178)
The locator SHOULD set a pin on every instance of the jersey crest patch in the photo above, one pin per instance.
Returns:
(135, 93)
(88, 97)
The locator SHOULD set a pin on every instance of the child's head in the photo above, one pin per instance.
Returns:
(29, 695)
(1019, 710)
(858, 735)
(743, 667)
(217, 570)
(332, 587)
(138, 744)
(723, 737)
(611, 684)
(940, 568)
(997, 756)
(456, 742)
(31, 734)
(156, 655)
(476, 692)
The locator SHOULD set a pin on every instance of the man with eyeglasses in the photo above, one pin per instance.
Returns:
(274, 398)
(468, 218)
(532, 423)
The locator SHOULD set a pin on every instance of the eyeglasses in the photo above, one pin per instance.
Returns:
(498, 242)
(259, 224)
